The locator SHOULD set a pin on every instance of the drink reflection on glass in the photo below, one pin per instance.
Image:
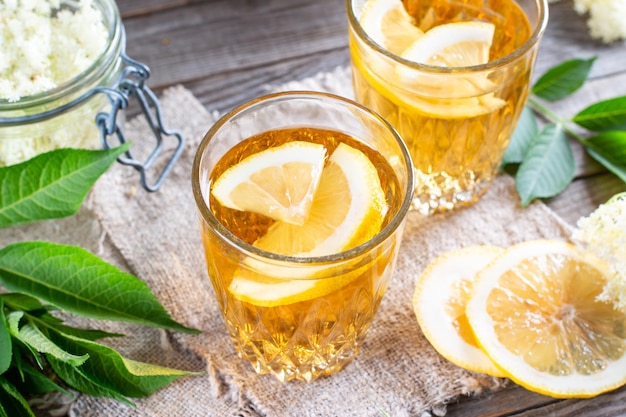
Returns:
(452, 77)
(302, 199)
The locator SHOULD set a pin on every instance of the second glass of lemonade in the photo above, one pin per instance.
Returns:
(452, 77)
(302, 199)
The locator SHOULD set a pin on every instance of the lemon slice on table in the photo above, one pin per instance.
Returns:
(278, 182)
(452, 45)
(534, 312)
(439, 300)
(388, 24)
(348, 209)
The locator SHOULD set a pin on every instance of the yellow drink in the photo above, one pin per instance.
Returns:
(294, 316)
(457, 122)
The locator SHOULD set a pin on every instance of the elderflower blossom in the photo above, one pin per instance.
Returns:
(604, 233)
(606, 18)
(43, 45)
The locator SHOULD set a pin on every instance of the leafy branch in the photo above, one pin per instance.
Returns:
(544, 157)
(39, 353)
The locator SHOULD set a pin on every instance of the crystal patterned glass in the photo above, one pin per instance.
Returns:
(316, 335)
(457, 121)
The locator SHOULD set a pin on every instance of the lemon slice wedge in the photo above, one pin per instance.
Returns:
(534, 311)
(388, 24)
(348, 209)
(441, 294)
(278, 182)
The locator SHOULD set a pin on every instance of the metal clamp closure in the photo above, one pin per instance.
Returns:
(131, 85)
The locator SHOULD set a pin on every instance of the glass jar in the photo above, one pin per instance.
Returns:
(83, 112)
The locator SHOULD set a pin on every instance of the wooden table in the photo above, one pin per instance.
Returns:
(226, 51)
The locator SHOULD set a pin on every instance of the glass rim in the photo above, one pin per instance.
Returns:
(111, 51)
(250, 250)
(539, 29)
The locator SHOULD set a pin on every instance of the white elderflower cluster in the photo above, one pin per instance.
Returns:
(604, 233)
(606, 18)
(42, 46)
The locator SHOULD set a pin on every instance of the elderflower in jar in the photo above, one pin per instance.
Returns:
(64, 76)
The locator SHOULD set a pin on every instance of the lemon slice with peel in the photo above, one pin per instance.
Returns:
(459, 44)
(388, 24)
(348, 209)
(534, 311)
(278, 182)
(439, 300)
(451, 45)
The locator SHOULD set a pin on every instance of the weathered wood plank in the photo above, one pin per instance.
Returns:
(519, 402)
(203, 40)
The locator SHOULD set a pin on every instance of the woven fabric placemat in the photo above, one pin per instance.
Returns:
(156, 237)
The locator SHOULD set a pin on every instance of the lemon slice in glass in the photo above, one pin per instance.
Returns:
(388, 24)
(278, 182)
(454, 94)
(534, 311)
(348, 209)
(441, 294)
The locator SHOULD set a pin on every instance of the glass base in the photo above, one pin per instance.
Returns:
(441, 192)
(308, 370)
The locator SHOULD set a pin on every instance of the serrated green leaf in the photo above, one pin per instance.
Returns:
(77, 379)
(109, 369)
(6, 348)
(13, 321)
(13, 403)
(31, 336)
(609, 149)
(525, 133)
(51, 185)
(548, 167)
(79, 282)
(603, 115)
(562, 80)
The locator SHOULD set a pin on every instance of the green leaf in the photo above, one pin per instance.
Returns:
(79, 282)
(31, 336)
(609, 149)
(37, 383)
(525, 133)
(6, 350)
(51, 185)
(13, 403)
(603, 115)
(23, 302)
(562, 80)
(17, 362)
(89, 334)
(77, 379)
(109, 369)
(548, 167)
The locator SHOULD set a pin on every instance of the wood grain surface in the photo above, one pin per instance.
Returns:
(226, 51)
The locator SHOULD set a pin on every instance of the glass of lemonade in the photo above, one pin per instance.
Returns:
(452, 76)
(302, 199)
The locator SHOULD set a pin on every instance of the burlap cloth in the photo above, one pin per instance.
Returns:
(156, 237)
